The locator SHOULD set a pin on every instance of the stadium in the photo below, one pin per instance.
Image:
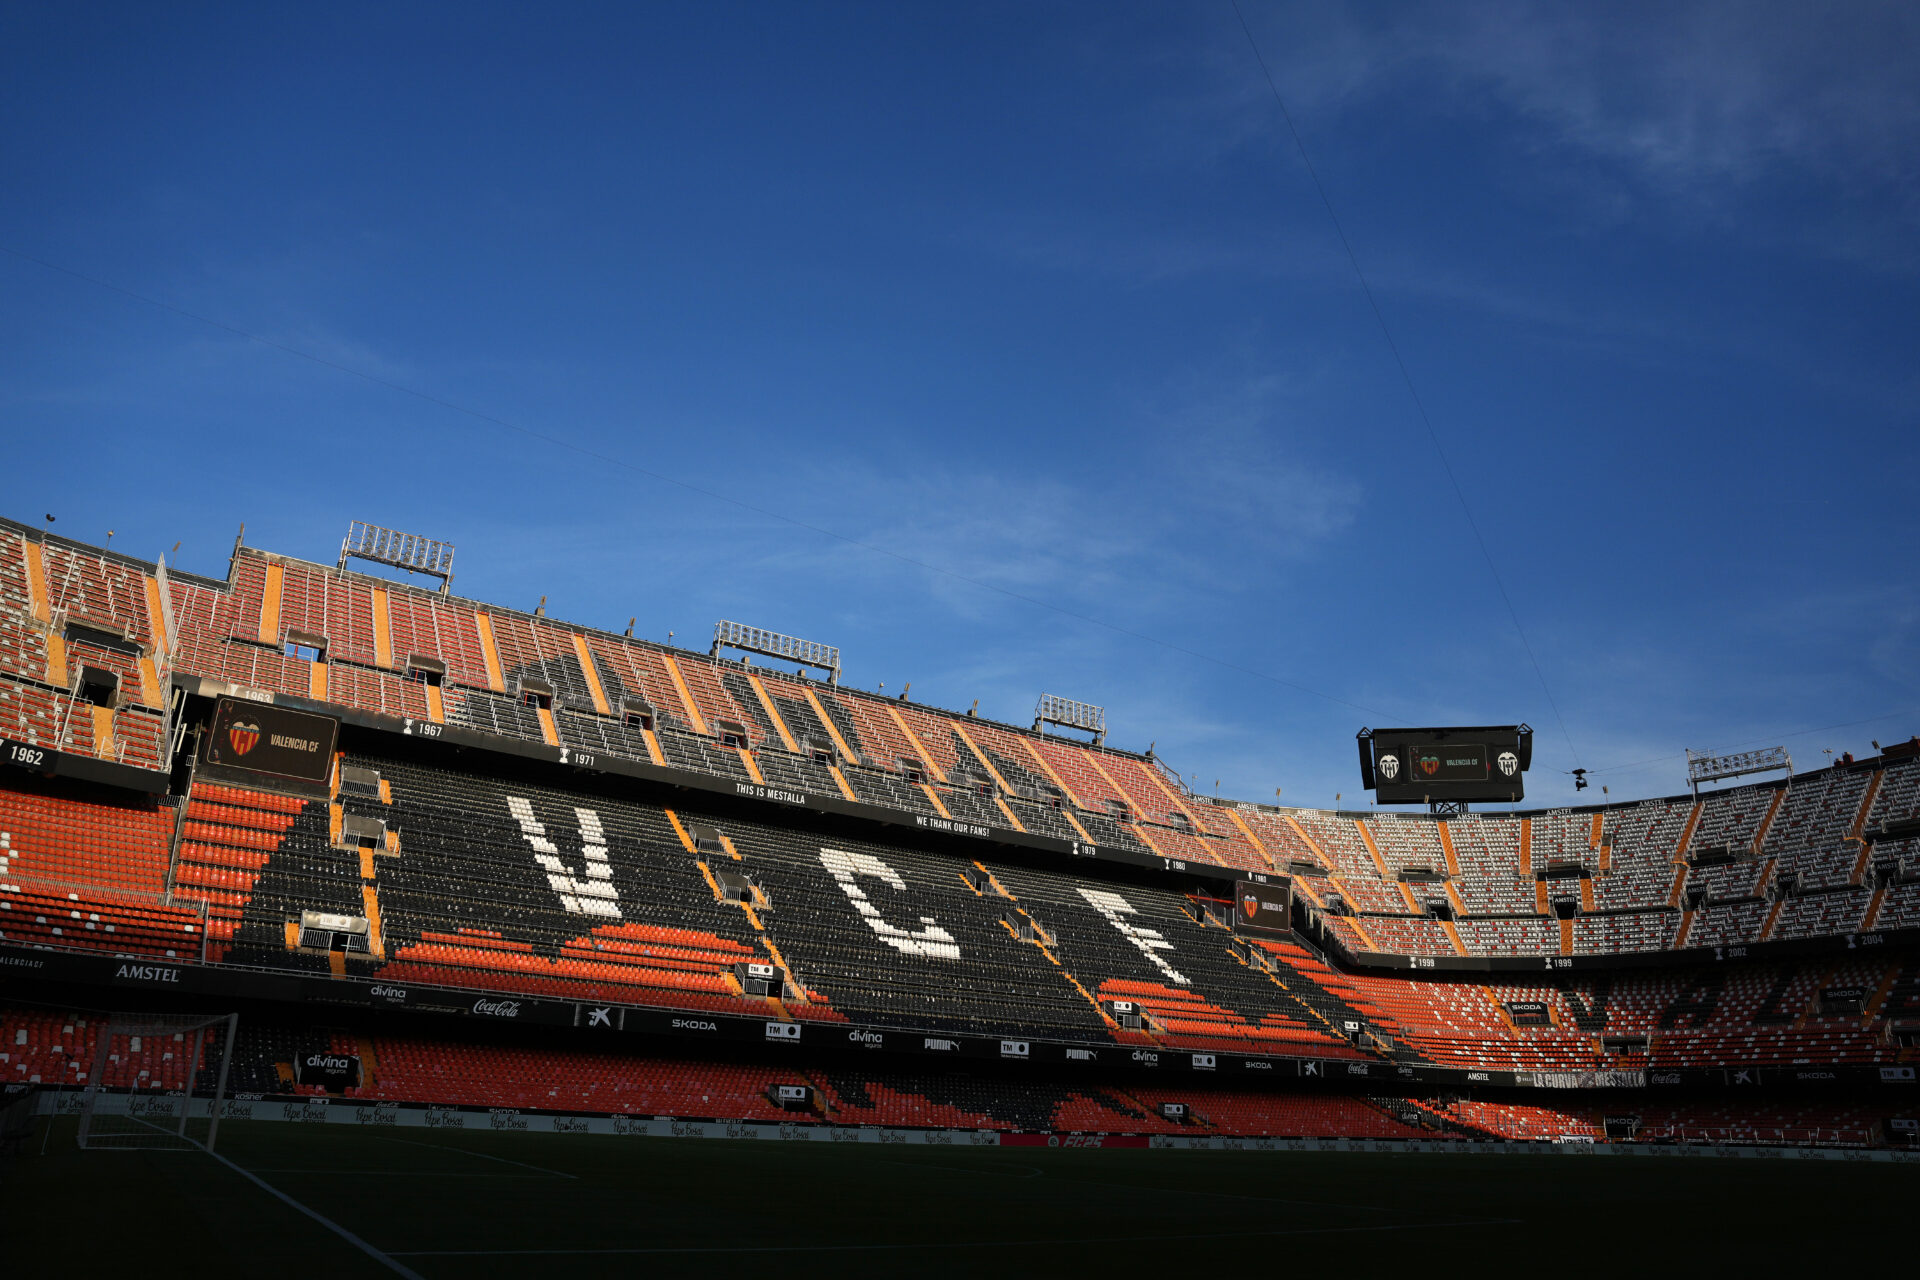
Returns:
(1214, 635)
(330, 849)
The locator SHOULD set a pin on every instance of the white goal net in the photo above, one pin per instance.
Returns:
(157, 1082)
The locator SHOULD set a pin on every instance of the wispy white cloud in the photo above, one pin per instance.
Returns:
(1209, 488)
(1691, 105)
(1699, 93)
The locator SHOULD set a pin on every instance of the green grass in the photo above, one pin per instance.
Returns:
(486, 1204)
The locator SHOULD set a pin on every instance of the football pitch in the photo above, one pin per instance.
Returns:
(351, 1202)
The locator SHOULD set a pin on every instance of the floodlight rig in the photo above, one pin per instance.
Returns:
(1702, 767)
(807, 653)
(407, 551)
(1069, 714)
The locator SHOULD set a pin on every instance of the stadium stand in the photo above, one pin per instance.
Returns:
(1816, 1125)
(469, 905)
(57, 1047)
(84, 649)
(39, 1046)
(504, 863)
(89, 868)
(529, 678)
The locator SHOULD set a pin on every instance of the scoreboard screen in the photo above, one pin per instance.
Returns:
(1417, 766)
(278, 747)
(1444, 762)
(1263, 906)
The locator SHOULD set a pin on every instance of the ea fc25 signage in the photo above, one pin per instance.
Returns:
(1262, 908)
(293, 748)
(1462, 763)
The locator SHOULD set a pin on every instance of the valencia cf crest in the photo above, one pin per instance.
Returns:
(244, 737)
(1250, 905)
(1390, 767)
(1429, 765)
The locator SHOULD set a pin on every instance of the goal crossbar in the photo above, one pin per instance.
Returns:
(141, 1092)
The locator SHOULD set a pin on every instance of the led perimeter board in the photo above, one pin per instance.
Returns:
(1450, 765)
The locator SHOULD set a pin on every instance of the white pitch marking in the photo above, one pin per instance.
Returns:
(352, 1239)
(479, 1155)
(948, 1244)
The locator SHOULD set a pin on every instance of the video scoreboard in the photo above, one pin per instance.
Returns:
(262, 744)
(1446, 765)
(1263, 906)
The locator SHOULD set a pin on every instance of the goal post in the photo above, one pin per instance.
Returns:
(158, 1082)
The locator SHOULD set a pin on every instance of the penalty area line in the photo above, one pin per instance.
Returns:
(384, 1260)
(404, 1173)
(948, 1244)
(481, 1155)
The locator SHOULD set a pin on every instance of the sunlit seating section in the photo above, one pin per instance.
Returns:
(1814, 834)
(1643, 841)
(87, 868)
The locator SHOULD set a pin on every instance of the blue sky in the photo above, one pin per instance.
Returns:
(1036, 313)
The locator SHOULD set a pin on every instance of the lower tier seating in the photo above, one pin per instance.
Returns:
(39, 1046)
(57, 1047)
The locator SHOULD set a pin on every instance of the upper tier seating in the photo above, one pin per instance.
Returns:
(63, 609)
(1817, 821)
(1488, 853)
(1642, 842)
